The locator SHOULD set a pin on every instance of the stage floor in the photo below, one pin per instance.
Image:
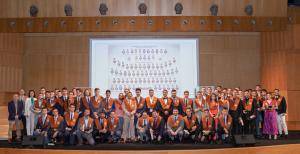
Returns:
(294, 138)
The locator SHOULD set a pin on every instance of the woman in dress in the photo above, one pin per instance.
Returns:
(270, 120)
(28, 112)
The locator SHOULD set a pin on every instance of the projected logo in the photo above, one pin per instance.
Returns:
(143, 67)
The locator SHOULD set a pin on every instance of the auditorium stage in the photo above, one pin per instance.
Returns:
(290, 145)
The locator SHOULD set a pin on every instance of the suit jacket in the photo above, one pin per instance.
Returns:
(100, 126)
(113, 124)
(43, 126)
(12, 110)
(58, 124)
(141, 106)
(158, 126)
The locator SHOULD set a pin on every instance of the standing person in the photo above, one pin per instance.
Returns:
(129, 108)
(176, 102)
(214, 113)
(186, 102)
(22, 98)
(96, 101)
(15, 112)
(108, 103)
(235, 111)
(249, 113)
(119, 111)
(85, 102)
(164, 105)
(29, 113)
(64, 101)
(151, 102)
(270, 119)
(85, 127)
(140, 107)
(281, 113)
(77, 99)
(258, 117)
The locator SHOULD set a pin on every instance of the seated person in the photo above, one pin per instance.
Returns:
(207, 126)
(142, 126)
(85, 128)
(114, 128)
(56, 126)
(175, 126)
(100, 127)
(156, 127)
(191, 125)
(70, 122)
(43, 126)
(225, 121)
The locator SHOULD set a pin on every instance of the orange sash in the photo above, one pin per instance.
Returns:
(130, 106)
(55, 124)
(164, 105)
(114, 125)
(99, 126)
(71, 123)
(189, 123)
(149, 104)
(174, 124)
(141, 104)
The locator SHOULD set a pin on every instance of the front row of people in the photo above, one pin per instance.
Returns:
(92, 127)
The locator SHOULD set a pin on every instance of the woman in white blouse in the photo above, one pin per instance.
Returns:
(29, 114)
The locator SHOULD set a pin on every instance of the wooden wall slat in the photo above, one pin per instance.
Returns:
(85, 8)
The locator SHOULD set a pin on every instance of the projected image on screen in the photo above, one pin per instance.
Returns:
(144, 63)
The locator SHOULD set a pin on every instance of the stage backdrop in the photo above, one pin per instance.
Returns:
(158, 64)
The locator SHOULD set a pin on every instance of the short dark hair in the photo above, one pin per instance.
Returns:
(138, 89)
(107, 91)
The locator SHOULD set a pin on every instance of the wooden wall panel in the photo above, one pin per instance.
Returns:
(57, 60)
(83, 8)
(141, 24)
(11, 60)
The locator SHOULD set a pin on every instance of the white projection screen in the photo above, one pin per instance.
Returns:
(159, 64)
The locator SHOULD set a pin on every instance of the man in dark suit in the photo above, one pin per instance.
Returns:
(15, 113)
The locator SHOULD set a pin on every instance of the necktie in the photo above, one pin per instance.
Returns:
(71, 116)
(185, 102)
(225, 120)
(145, 122)
(206, 122)
(175, 118)
(88, 98)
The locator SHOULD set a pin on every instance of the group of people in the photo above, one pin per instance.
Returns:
(214, 115)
